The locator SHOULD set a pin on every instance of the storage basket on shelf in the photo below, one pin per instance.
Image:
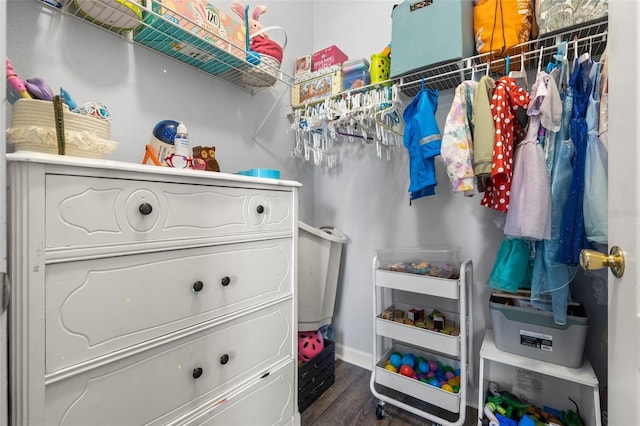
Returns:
(264, 57)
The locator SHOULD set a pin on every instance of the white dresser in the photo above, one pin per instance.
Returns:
(147, 295)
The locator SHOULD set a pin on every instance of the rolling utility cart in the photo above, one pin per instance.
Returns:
(422, 311)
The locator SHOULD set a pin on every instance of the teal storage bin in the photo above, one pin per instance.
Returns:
(430, 32)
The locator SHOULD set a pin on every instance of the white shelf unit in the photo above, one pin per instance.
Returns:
(559, 383)
(401, 290)
(213, 55)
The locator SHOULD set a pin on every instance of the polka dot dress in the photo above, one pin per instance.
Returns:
(506, 99)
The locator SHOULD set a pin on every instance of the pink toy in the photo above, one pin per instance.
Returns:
(310, 344)
(254, 25)
(14, 81)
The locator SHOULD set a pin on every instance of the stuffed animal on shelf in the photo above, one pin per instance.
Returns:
(208, 154)
(253, 23)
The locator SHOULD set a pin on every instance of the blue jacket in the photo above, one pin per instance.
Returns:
(422, 139)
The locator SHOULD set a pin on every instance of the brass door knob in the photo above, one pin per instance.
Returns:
(591, 260)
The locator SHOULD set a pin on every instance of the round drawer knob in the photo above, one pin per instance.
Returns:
(145, 209)
(198, 285)
(226, 281)
(260, 209)
(197, 372)
(224, 359)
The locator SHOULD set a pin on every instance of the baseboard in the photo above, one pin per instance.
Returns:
(352, 356)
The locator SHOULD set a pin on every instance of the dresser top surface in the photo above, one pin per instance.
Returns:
(150, 170)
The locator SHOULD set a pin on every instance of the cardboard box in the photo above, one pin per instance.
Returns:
(196, 32)
(303, 65)
(317, 88)
(327, 57)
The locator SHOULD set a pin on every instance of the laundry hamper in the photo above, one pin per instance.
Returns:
(262, 69)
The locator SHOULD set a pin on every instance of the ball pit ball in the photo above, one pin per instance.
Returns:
(396, 360)
(406, 370)
(409, 360)
(430, 372)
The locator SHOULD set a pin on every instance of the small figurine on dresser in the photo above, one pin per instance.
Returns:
(208, 154)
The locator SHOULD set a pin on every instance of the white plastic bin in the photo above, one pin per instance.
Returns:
(319, 251)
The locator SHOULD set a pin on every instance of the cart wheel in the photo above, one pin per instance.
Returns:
(380, 413)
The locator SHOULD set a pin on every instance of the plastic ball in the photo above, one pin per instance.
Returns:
(448, 368)
(434, 382)
(431, 374)
(423, 367)
(419, 360)
(310, 344)
(406, 370)
(433, 366)
(447, 387)
(449, 375)
(165, 131)
(391, 368)
(408, 360)
(456, 389)
(395, 360)
(453, 382)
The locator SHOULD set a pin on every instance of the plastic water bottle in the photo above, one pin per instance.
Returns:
(181, 146)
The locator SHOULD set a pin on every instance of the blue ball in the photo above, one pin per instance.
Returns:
(395, 360)
(423, 367)
(165, 131)
(409, 360)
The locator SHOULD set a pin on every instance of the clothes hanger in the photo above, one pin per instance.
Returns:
(522, 73)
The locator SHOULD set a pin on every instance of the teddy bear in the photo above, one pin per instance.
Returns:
(208, 154)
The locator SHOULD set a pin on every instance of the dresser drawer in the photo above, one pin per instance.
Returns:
(170, 381)
(99, 306)
(83, 212)
(269, 401)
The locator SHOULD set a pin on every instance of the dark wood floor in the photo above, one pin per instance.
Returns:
(349, 401)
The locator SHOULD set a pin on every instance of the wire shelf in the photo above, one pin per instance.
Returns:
(190, 43)
(537, 53)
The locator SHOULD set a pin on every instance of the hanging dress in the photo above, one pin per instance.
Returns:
(422, 139)
(572, 232)
(529, 214)
(596, 172)
(507, 97)
(550, 281)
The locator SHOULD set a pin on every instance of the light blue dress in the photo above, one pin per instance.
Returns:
(596, 181)
(550, 281)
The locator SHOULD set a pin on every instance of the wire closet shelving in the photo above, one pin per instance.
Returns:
(191, 43)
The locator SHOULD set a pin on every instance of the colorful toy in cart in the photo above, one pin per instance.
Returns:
(505, 409)
(431, 372)
(439, 270)
(435, 321)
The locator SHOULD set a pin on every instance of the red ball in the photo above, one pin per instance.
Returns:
(406, 370)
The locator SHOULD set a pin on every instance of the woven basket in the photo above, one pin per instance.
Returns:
(265, 73)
